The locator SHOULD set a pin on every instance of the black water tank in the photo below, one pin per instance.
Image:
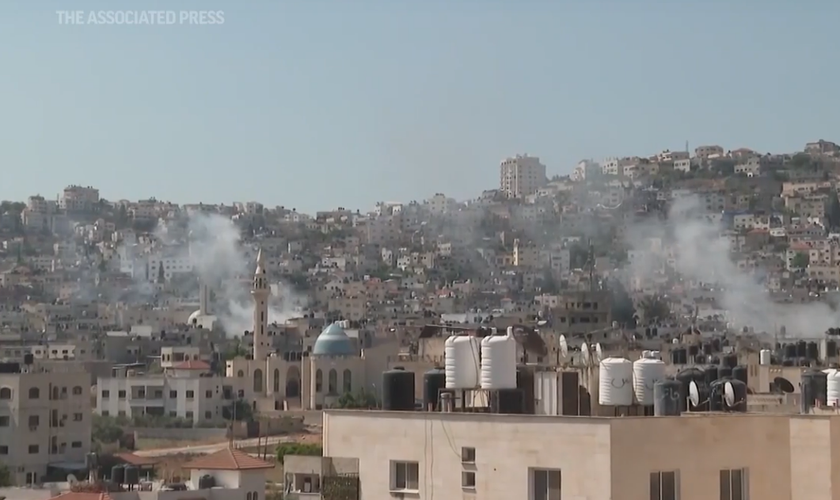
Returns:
(724, 372)
(716, 395)
(729, 360)
(28, 358)
(735, 396)
(433, 381)
(206, 482)
(789, 351)
(710, 374)
(668, 398)
(812, 351)
(830, 348)
(508, 401)
(91, 461)
(132, 475)
(741, 373)
(801, 349)
(716, 344)
(814, 388)
(678, 356)
(118, 474)
(525, 383)
(693, 350)
(398, 390)
(707, 349)
(9, 367)
(685, 377)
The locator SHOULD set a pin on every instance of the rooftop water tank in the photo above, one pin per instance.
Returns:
(498, 361)
(833, 389)
(462, 366)
(615, 382)
(667, 398)
(398, 390)
(433, 381)
(118, 474)
(646, 373)
(764, 357)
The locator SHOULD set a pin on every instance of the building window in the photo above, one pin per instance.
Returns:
(276, 380)
(734, 484)
(190, 394)
(77, 390)
(258, 381)
(208, 415)
(78, 417)
(34, 421)
(121, 394)
(333, 382)
(208, 394)
(106, 394)
(33, 449)
(348, 381)
(76, 444)
(663, 485)
(545, 484)
(467, 455)
(173, 394)
(468, 480)
(319, 381)
(34, 393)
(5, 421)
(5, 393)
(405, 476)
(4, 450)
(189, 415)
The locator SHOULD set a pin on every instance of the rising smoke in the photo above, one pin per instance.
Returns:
(220, 259)
(689, 245)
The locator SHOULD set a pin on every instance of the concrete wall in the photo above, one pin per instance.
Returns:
(185, 434)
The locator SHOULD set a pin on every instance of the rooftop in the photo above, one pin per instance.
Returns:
(228, 459)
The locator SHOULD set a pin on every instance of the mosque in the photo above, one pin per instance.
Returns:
(203, 317)
(302, 380)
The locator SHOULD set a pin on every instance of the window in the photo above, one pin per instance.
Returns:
(78, 417)
(33, 449)
(467, 455)
(663, 485)
(190, 394)
(173, 394)
(348, 381)
(77, 390)
(208, 394)
(4, 450)
(468, 480)
(34, 393)
(5, 393)
(545, 484)
(734, 484)
(189, 415)
(106, 394)
(121, 394)
(5, 421)
(208, 415)
(333, 382)
(258, 381)
(76, 444)
(404, 476)
(105, 413)
(319, 381)
(34, 420)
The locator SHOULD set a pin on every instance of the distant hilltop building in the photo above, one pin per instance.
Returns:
(521, 176)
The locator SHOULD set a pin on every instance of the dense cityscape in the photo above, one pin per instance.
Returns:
(148, 345)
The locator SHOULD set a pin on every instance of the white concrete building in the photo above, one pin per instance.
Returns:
(78, 198)
(186, 390)
(45, 420)
(521, 175)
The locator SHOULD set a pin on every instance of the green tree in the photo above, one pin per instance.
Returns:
(5, 476)
(800, 260)
(654, 309)
(622, 308)
(238, 410)
(305, 449)
(361, 400)
(722, 166)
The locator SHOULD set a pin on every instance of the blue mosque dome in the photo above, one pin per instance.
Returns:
(333, 342)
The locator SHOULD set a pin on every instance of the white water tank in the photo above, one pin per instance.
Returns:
(764, 357)
(833, 392)
(461, 362)
(615, 382)
(498, 361)
(646, 372)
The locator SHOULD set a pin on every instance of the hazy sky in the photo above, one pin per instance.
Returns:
(315, 104)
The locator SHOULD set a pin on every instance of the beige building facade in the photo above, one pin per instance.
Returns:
(692, 457)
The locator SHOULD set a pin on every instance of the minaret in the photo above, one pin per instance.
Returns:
(260, 292)
(203, 298)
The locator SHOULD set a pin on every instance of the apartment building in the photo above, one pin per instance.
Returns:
(708, 152)
(521, 176)
(691, 457)
(45, 419)
(79, 198)
(187, 390)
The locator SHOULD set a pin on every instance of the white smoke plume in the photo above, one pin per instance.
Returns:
(691, 245)
(219, 259)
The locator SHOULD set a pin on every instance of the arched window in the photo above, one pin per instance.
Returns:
(240, 374)
(55, 393)
(77, 390)
(248, 496)
(319, 381)
(258, 381)
(255, 496)
(276, 380)
(333, 383)
(348, 381)
(5, 393)
(34, 393)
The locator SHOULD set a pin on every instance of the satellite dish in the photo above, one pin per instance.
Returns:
(729, 394)
(542, 322)
(784, 385)
(563, 345)
(599, 353)
(72, 479)
(694, 394)
(584, 354)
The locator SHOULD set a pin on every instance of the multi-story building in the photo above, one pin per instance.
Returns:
(45, 419)
(521, 175)
(186, 390)
(708, 152)
(533, 457)
(78, 198)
